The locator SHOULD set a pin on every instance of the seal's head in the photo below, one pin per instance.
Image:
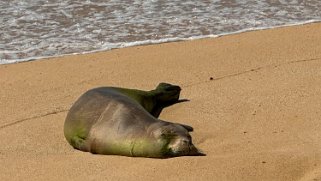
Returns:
(178, 141)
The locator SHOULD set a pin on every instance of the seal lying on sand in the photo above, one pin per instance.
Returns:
(119, 121)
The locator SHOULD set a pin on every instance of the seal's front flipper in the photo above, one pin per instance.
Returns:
(78, 143)
(188, 128)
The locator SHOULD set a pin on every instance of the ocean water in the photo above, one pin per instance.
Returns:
(32, 29)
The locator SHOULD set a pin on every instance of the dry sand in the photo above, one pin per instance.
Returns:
(258, 119)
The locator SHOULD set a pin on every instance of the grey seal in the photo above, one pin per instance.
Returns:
(120, 121)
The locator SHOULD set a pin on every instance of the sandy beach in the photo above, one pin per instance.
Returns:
(255, 102)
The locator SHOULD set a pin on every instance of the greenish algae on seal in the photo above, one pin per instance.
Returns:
(120, 121)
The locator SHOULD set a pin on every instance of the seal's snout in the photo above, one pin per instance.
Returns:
(195, 152)
(181, 146)
(185, 147)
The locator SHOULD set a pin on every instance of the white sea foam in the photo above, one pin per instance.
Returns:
(41, 28)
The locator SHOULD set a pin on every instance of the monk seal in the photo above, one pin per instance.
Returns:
(120, 121)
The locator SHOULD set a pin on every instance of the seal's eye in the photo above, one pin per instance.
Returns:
(167, 135)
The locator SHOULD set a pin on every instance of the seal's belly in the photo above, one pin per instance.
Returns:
(135, 147)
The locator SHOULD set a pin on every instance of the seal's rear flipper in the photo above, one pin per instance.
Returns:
(182, 100)
(167, 93)
(159, 107)
(188, 128)
(168, 87)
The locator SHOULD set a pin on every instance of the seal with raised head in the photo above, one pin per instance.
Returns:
(119, 121)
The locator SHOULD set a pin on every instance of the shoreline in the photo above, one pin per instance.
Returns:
(255, 101)
(171, 40)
